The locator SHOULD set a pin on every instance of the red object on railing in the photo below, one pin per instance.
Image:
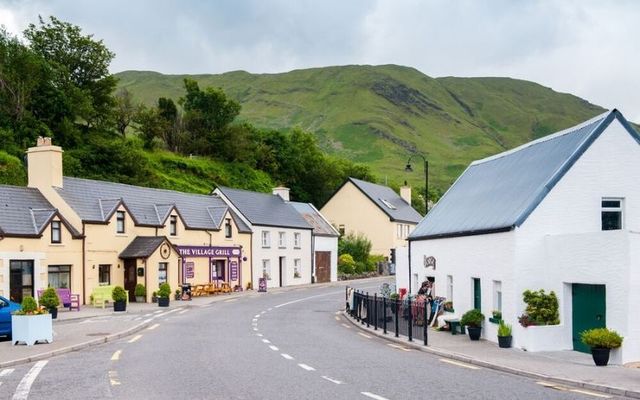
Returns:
(402, 292)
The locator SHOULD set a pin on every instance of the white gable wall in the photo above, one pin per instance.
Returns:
(328, 243)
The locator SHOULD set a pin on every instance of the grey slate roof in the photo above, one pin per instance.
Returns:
(264, 209)
(96, 201)
(142, 247)
(402, 211)
(498, 193)
(25, 212)
(313, 217)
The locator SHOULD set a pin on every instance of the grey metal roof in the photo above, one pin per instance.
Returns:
(313, 217)
(95, 201)
(400, 210)
(24, 211)
(498, 193)
(142, 247)
(264, 209)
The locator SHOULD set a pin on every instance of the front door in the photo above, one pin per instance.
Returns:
(477, 294)
(20, 279)
(281, 267)
(130, 278)
(323, 266)
(589, 311)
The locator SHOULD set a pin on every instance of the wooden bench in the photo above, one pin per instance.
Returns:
(68, 299)
(102, 295)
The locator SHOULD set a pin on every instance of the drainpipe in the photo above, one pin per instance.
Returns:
(313, 259)
(251, 259)
(146, 274)
(84, 257)
(409, 266)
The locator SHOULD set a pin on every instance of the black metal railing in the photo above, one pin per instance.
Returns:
(406, 317)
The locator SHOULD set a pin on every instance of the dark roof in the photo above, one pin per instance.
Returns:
(264, 209)
(388, 201)
(313, 217)
(499, 193)
(25, 212)
(96, 201)
(142, 247)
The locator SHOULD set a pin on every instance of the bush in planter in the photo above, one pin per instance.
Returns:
(49, 300)
(141, 293)
(163, 295)
(601, 341)
(31, 323)
(504, 335)
(119, 296)
(542, 308)
(472, 319)
(30, 307)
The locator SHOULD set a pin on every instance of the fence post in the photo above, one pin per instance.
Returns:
(425, 324)
(357, 301)
(368, 309)
(397, 312)
(375, 311)
(384, 315)
(410, 331)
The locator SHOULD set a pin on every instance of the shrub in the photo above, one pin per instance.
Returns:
(49, 299)
(164, 291)
(30, 307)
(394, 296)
(119, 294)
(346, 265)
(472, 318)
(140, 290)
(358, 246)
(504, 329)
(360, 267)
(601, 338)
(542, 308)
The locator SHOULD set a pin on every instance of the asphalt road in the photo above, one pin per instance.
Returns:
(286, 345)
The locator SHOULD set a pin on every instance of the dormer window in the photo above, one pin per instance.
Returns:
(120, 222)
(173, 225)
(227, 228)
(56, 232)
(388, 204)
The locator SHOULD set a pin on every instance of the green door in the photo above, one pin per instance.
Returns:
(477, 296)
(589, 311)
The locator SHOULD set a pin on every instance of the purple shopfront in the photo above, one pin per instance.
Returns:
(224, 264)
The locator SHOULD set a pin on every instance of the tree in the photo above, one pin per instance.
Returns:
(150, 125)
(125, 110)
(169, 112)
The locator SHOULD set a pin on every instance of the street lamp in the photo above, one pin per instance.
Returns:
(426, 178)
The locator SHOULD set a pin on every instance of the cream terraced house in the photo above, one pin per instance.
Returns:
(375, 211)
(281, 245)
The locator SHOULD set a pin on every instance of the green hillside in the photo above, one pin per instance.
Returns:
(378, 115)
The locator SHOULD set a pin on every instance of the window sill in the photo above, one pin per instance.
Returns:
(495, 320)
(56, 244)
(282, 248)
(297, 248)
(121, 235)
(266, 247)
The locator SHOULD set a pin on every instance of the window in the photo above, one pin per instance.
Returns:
(120, 222)
(56, 234)
(266, 269)
(162, 272)
(266, 239)
(296, 240)
(282, 240)
(104, 274)
(399, 231)
(449, 287)
(388, 204)
(406, 231)
(227, 228)
(497, 295)
(296, 268)
(60, 276)
(173, 225)
(341, 230)
(611, 214)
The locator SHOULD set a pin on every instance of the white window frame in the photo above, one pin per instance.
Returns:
(173, 225)
(297, 240)
(297, 264)
(450, 288)
(123, 220)
(406, 231)
(619, 209)
(56, 232)
(166, 272)
(266, 269)
(399, 231)
(497, 295)
(266, 239)
(282, 240)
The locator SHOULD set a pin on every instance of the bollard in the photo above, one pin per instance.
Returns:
(397, 312)
(410, 322)
(368, 308)
(384, 315)
(375, 311)
(425, 324)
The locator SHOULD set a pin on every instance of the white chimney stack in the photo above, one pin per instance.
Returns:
(282, 191)
(405, 193)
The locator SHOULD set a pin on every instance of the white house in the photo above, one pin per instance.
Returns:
(325, 243)
(281, 244)
(560, 213)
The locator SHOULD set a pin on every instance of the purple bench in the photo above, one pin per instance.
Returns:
(67, 298)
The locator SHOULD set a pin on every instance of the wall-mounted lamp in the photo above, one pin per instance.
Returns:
(94, 266)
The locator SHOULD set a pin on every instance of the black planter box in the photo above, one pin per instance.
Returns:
(504, 342)
(120, 306)
(163, 301)
(474, 332)
(54, 312)
(600, 356)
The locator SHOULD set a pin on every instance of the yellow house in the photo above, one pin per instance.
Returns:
(135, 235)
(375, 211)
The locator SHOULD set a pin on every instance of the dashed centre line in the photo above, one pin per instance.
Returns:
(152, 327)
(337, 382)
(373, 396)
(116, 355)
(256, 316)
(266, 341)
(135, 338)
(306, 367)
(22, 391)
(274, 348)
(286, 356)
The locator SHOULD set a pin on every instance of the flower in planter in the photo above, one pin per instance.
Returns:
(526, 321)
(497, 314)
(30, 307)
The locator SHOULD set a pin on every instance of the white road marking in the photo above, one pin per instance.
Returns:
(184, 311)
(286, 356)
(148, 315)
(255, 329)
(395, 346)
(259, 334)
(307, 367)
(274, 348)
(337, 318)
(364, 335)
(266, 341)
(22, 391)
(373, 396)
(307, 298)
(254, 320)
(337, 382)
(256, 316)
(555, 386)
(346, 326)
(270, 308)
(262, 312)
(152, 327)
(588, 393)
(156, 312)
(6, 372)
(338, 312)
(113, 378)
(135, 338)
(230, 300)
(137, 318)
(116, 355)
(459, 364)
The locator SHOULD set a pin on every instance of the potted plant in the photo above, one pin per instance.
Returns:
(393, 297)
(141, 293)
(154, 297)
(119, 297)
(31, 323)
(601, 341)
(163, 295)
(472, 319)
(49, 300)
(504, 335)
(177, 295)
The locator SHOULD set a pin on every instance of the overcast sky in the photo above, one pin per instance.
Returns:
(587, 48)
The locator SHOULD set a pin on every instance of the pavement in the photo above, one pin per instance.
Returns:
(556, 368)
